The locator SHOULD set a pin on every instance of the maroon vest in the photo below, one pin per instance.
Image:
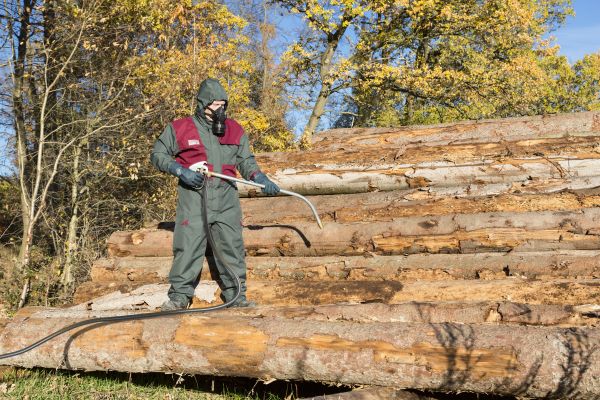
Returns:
(191, 148)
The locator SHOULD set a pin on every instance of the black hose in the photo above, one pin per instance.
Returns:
(121, 318)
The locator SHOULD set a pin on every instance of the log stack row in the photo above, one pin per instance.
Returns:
(458, 257)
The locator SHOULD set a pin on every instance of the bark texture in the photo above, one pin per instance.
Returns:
(387, 206)
(461, 312)
(491, 131)
(533, 265)
(559, 291)
(513, 360)
(483, 177)
(450, 233)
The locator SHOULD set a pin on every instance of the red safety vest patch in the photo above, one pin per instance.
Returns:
(191, 148)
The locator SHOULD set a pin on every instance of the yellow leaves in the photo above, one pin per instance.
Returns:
(178, 13)
(170, 74)
(330, 16)
(87, 45)
(455, 58)
(201, 41)
(253, 120)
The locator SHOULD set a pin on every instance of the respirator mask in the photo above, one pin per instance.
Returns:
(218, 117)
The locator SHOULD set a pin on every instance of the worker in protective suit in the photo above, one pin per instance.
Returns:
(220, 141)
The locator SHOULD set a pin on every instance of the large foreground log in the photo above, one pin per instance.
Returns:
(534, 265)
(559, 291)
(509, 360)
(453, 233)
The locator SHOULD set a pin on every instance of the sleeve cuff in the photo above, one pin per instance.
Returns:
(253, 175)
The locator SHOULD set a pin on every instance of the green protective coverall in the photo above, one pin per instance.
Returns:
(224, 155)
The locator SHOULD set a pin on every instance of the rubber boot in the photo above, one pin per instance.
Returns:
(242, 301)
(171, 305)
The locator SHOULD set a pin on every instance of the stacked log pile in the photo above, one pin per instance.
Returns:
(457, 257)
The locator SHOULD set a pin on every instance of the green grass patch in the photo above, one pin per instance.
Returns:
(34, 384)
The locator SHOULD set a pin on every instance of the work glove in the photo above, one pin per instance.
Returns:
(187, 176)
(270, 188)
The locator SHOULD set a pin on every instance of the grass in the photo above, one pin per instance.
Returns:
(34, 384)
(45, 384)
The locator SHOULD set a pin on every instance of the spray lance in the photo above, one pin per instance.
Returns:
(201, 167)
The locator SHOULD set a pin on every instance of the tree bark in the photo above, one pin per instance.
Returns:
(501, 312)
(451, 233)
(532, 265)
(19, 58)
(483, 177)
(305, 293)
(386, 206)
(488, 157)
(71, 242)
(526, 361)
(482, 131)
(384, 148)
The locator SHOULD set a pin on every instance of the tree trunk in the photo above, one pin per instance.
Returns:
(306, 292)
(387, 206)
(19, 58)
(390, 149)
(71, 242)
(491, 131)
(487, 177)
(532, 265)
(501, 312)
(490, 157)
(26, 239)
(451, 233)
(532, 361)
(315, 116)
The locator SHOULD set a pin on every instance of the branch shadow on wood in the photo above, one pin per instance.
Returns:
(577, 352)
(170, 226)
(576, 358)
(459, 344)
(301, 234)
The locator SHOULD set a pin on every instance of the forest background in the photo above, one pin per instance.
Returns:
(86, 87)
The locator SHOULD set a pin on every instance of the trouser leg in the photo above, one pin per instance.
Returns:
(227, 234)
(189, 245)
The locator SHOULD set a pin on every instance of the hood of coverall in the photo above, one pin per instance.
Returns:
(209, 91)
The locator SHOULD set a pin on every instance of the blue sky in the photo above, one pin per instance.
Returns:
(580, 34)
